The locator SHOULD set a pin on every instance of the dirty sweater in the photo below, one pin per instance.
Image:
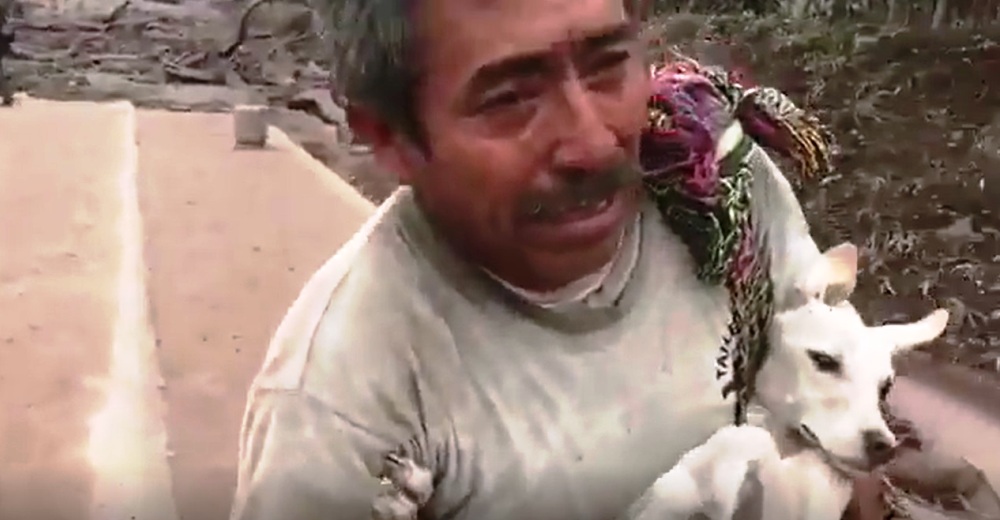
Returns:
(520, 410)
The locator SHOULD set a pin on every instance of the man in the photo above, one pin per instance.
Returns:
(518, 320)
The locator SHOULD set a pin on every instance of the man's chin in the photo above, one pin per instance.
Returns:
(558, 268)
(582, 229)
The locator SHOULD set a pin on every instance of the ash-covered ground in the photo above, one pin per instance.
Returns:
(915, 111)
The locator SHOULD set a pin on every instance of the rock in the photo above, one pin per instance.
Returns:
(282, 19)
(986, 155)
(319, 102)
(961, 231)
(189, 97)
(250, 126)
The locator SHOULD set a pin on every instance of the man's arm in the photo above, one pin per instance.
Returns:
(338, 391)
(301, 460)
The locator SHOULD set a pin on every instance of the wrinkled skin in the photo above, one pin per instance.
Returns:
(535, 112)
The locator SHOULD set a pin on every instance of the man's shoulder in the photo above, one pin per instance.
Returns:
(356, 314)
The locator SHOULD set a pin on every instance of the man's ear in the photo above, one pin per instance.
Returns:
(833, 278)
(393, 151)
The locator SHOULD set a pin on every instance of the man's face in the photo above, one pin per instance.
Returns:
(532, 111)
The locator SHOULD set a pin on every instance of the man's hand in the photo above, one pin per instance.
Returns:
(866, 501)
(407, 487)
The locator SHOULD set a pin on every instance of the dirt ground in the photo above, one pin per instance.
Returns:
(915, 113)
(916, 117)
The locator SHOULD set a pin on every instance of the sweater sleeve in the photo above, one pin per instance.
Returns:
(338, 392)
(301, 460)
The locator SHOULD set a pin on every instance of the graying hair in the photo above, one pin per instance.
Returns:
(370, 53)
(372, 56)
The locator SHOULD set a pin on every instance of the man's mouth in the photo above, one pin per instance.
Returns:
(580, 222)
(588, 209)
(570, 210)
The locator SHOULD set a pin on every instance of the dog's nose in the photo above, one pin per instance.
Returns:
(879, 448)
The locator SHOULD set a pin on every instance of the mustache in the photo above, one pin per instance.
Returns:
(577, 188)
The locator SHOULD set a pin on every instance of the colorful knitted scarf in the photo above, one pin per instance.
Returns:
(706, 199)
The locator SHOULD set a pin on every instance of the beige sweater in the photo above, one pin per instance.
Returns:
(521, 411)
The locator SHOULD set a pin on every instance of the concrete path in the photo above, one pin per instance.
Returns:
(59, 264)
(143, 268)
(957, 409)
(232, 236)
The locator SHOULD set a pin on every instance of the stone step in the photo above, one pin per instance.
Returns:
(231, 237)
(144, 266)
(62, 211)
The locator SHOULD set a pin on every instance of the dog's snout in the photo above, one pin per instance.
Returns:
(879, 448)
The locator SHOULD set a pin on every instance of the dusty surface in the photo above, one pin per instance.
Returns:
(955, 427)
(913, 110)
(180, 56)
(231, 238)
(58, 262)
(230, 242)
(918, 185)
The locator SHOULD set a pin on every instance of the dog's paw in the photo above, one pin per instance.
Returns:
(711, 479)
(743, 442)
(676, 495)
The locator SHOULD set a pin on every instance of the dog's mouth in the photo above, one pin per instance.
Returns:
(847, 467)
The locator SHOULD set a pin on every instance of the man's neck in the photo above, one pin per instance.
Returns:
(579, 290)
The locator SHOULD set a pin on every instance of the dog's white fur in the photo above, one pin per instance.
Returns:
(821, 382)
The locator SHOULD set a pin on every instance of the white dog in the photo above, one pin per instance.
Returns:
(820, 385)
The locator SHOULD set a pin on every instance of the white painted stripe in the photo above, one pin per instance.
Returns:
(344, 191)
(127, 445)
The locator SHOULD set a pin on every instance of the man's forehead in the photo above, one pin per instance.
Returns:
(477, 32)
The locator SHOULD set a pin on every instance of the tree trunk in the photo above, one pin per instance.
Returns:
(940, 10)
(799, 8)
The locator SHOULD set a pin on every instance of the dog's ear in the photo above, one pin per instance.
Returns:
(833, 278)
(842, 261)
(905, 336)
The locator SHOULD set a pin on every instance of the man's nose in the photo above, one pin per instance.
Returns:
(585, 143)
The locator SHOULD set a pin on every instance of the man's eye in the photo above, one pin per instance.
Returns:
(825, 362)
(606, 62)
(884, 389)
(501, 100)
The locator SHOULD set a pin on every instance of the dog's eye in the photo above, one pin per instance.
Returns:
(825, 362)
(884, 389)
